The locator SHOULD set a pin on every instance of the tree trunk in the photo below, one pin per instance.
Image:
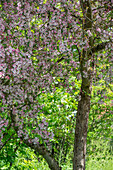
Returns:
(87, 70)
(82, 117)
(81, 132)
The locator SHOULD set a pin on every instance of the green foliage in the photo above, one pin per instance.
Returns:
(98, 157)
(26, 159)
(60, 111)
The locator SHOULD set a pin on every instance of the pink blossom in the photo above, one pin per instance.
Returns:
(7, 77)
(98, 29)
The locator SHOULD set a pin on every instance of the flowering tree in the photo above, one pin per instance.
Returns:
(41, 41)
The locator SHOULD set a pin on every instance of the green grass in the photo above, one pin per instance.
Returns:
(94, 164)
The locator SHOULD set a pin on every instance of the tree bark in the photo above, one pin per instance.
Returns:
(81, 133)
(82, 121)
(52, 163)
(87, 70)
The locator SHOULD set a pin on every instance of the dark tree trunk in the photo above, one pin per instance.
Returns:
(86, 69)
(81, 132)
(82, 124)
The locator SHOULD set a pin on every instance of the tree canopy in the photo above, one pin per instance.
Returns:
(43, 45)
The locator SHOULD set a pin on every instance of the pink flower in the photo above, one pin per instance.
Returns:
(89, 33)
(7, 77)
(98, 29)
(1, 74)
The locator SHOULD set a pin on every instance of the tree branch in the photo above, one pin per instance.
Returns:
(53, 165)
(6, 141)
(40, 148)
(73, 14)
(59, 60)
(99, 47)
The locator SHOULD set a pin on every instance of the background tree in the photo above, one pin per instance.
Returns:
(39, 42)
